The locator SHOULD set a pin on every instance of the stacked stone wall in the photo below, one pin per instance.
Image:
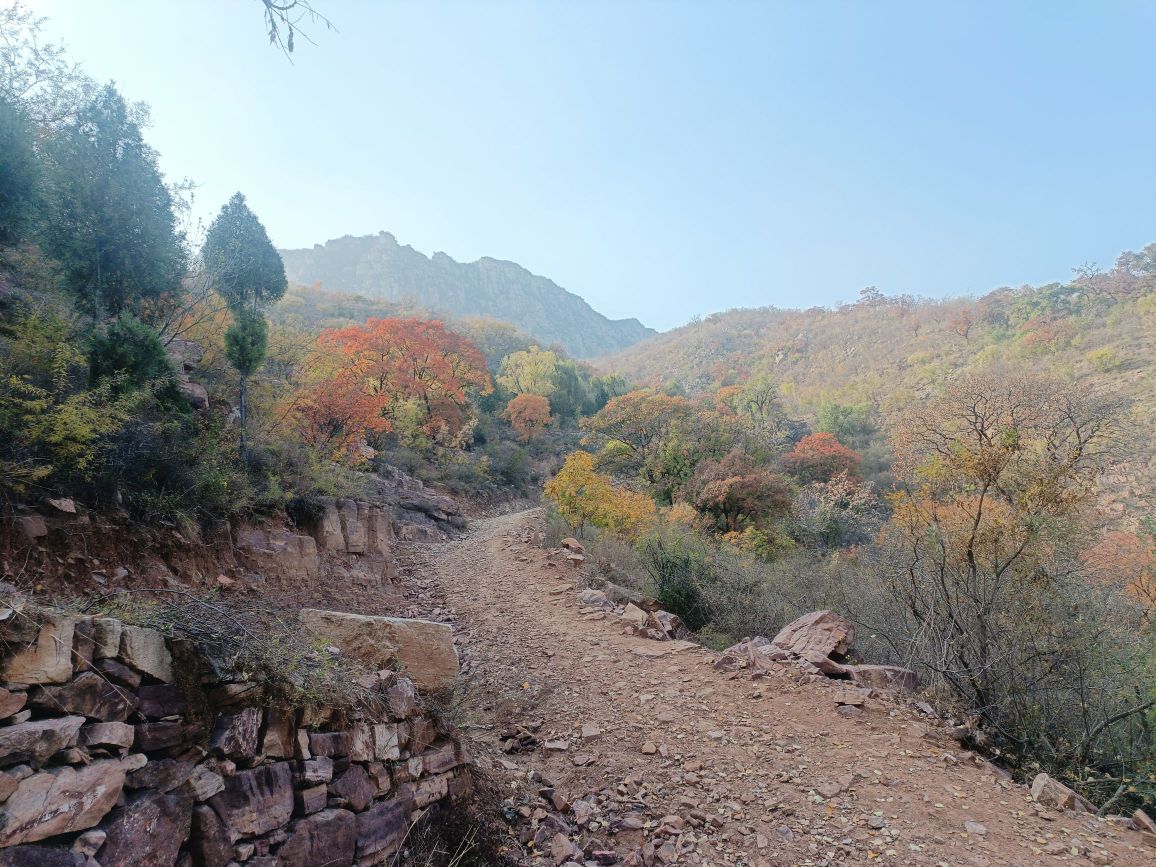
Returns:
(115, 750)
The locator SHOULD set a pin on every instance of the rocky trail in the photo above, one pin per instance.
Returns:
(612, 748)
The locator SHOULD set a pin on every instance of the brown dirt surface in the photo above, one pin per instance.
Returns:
(643, 749)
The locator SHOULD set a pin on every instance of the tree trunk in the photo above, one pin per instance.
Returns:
(244, 416)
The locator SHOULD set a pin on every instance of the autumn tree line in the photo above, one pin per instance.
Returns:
(152, 365)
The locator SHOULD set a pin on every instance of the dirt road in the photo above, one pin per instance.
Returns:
(655, 756)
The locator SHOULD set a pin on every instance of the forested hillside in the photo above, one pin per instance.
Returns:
(377, 266)
(877, 357)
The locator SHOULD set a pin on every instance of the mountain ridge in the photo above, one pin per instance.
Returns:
(379, 266)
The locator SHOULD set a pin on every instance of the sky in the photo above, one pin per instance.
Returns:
(665, 159)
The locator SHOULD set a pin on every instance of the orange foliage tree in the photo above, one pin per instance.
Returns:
(412, 360)
(819, 457)
(334, 415)
(529, 415)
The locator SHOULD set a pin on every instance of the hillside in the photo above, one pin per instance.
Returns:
(886, 352)
(379, 267)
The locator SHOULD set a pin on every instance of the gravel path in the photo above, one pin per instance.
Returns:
(644, 750)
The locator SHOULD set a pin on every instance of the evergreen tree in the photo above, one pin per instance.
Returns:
(245, 269)
(243, 266)
(110, 222)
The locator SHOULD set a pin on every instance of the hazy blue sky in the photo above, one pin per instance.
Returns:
(664, 159)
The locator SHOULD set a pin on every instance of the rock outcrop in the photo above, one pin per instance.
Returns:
(106, 761)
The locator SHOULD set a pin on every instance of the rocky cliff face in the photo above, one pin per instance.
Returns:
(377, 266)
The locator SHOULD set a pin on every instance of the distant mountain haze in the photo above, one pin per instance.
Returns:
(377, 266)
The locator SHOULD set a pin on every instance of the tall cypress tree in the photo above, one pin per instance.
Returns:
(110, 221)
(245, 269)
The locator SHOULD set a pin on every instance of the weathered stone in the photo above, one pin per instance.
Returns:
(106, 633)
(30, 527)
(236, 734)
(118, 673)
(107, 734)
(361, 747)
(153, 736)
(160, 700)
(83, 645)
(89, 843)
(204, 782)
(381, 828)
(595, 599)
(424, 650)
(209, 843)
(354, 787)
(327, 529)
(145, 650)
(430, 789)
(353, 529)
(572, 544)
(277, 740)
(255, 802)
(1143, 822)
(670, 624)
(386, 744)
(16, 626)
(329, 744)
(60, 801)
(401, 698)
(306, 801)
(40, 856)
(884, 677)
(48, 659)
(440, 759)
(379, 533)
(36, 741)
(379, 776)
(11, 702)
(1053, 793)
(310, 772)
(148, 831)
(195, 394)
(90, 695)
(323, 839)
(161, 774)
(635, 616)
(824, 632)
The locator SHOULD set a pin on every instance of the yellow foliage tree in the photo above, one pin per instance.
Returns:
(584, 496)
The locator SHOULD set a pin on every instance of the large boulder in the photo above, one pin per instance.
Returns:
(822, 632)
(60, 801)
(423, 649)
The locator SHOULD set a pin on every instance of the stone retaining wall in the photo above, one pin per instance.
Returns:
(108, 758)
